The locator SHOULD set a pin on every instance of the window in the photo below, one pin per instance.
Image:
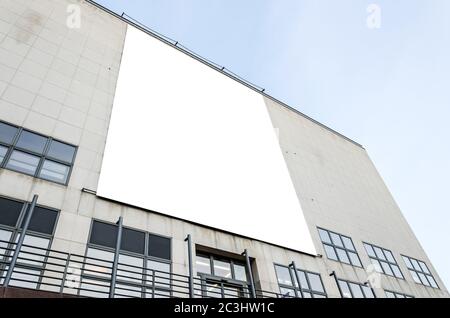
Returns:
(420, 272)
(304, 284)
(391, 294)
(34, 154)
(339, 248)
(144, 268)
(30, 262)
(355, 290)
(383, 260)
(221, 277)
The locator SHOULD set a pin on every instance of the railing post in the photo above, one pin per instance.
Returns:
(250, 274)
(116, 259)
(297, 278)
(191, 269)
(13, 263)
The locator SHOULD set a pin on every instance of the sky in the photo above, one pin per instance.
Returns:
(387, 88)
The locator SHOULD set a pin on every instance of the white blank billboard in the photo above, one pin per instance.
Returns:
(189, 142)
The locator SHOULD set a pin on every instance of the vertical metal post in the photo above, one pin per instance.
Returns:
(297, 278)
(116, 259)
(191, 269)
(13, 263)
(333, 273)
(250, 274)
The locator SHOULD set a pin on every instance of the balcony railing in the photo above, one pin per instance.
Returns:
(61, 272)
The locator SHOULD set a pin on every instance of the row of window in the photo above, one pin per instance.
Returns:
(36, 155)
(145, 260)
(340, 248)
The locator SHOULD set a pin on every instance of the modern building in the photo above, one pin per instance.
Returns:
(138, 169)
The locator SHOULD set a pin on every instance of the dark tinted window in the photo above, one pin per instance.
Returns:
(32, 142)
(42, 221)
(7, 133)
(61, 151)
(104, 234)
(133, 241)
(159, 247)
(9, 211)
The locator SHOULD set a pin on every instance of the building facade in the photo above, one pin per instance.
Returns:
(57, 89)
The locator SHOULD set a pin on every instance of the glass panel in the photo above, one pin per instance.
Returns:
(407, 262)
(336, 239)
(379, 253)
(161, 293)
(390, 295)
(94, 288)
(319, 296)
(203, 265)
(348, 243)
(432, 281)
(377, 265)
(31, 142)
(397, 272)
(3, 151)
(344, 289)
(416, 265)
(104, 234)
(306, 295)
(356, 290)
(213, 290)
(9, 211)
(100, 266)
(23, 162)
(354, 259)
(240, 273)
(423, 279)
(159, 247)
(25, 278)
(5, 237)
(53, 171)
(231, 291)
(60, 151)
(400, 296)
(7, 133)
(316, 283)
(222, 269)
(302, 278)
(130, 269)
(390, 257)
(161, 272)
(30, 255)
(324, 236)
(368, 293)
(42, 221)
(283, 275)
(386, 268)
(331, 253)
(287, 292)
(415, 277)
(424, 267)
(343, 256)
(133, 241)
(369, 250)
(127, 291)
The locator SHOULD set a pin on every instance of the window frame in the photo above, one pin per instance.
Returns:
(417, 272)
(396, 294)
(336, 247)
(296, 285)
(386, 260)
(17, 230)
(144, 284)
(348, 282)
(43, 157)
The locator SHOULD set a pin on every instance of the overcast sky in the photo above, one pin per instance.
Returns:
(388, 88)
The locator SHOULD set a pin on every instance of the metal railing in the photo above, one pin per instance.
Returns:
(50, 270)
